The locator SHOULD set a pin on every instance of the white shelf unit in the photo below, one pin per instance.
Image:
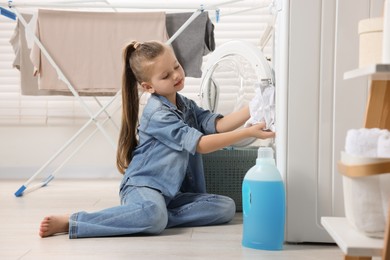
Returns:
(356, 245)
(374, 72)
(351, 241)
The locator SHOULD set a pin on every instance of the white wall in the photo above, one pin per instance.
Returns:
(24, 149)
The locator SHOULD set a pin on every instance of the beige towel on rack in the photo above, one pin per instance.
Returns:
(22, 62)
(28, 83)
(87, 46)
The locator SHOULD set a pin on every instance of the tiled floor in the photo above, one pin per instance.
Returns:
(20, 218)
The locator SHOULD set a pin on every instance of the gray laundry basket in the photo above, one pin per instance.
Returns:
(225, 169)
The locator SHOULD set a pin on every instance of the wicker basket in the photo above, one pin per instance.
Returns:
(225, 170)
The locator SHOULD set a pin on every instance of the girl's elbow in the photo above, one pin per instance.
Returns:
(201, 150)
(203, 147)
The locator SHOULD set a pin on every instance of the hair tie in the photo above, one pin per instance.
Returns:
(136, 45)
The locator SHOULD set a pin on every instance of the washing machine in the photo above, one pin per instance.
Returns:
(230, 78)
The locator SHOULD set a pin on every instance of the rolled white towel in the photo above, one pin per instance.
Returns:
(384, 145)
(363, 141)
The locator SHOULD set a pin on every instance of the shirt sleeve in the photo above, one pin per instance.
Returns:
(206, 119)
(171, 130)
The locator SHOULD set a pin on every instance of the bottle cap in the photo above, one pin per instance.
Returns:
(265, 152)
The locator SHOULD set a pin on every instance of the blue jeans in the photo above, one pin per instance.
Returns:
(145, 211)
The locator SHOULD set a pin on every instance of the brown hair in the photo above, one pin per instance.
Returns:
(136, 58)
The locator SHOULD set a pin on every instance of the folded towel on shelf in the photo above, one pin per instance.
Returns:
(363, 142)
(384, 145)
(262, 106)
(87, 46)
(193, 43)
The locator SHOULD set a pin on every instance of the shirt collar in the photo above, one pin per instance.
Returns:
(165, 101)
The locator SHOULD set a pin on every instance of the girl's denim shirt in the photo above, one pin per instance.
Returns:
(166, 157)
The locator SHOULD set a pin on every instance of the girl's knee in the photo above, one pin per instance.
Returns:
(157, 217)
(227, 209)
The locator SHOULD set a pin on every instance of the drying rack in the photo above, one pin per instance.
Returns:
(11, 10)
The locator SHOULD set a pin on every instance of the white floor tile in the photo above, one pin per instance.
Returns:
(20, 219)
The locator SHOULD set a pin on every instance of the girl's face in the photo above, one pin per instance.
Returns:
(167, 76)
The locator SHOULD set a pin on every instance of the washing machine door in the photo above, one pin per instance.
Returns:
(229, 78)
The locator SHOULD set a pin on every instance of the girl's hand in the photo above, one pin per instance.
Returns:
(213, 142)
(258, 131)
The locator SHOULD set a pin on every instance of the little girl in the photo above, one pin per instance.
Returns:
(160, 156)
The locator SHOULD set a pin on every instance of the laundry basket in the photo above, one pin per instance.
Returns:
(225, 169)
(366, 184)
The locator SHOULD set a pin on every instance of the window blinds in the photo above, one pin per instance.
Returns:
(245, 20)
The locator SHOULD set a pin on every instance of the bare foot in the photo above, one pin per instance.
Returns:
(53, 225)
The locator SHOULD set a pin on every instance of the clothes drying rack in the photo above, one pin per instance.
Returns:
(11, 10)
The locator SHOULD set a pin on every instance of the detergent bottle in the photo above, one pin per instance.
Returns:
(264, 204)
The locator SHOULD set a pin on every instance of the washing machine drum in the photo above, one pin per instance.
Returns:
(229, 78)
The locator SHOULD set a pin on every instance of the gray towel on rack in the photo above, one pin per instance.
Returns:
(193, 43)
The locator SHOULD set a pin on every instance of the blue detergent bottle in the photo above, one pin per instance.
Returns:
(264, 204)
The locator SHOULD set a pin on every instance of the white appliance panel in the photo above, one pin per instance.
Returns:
(316, 42)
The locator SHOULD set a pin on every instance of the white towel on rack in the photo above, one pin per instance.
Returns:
(87, 46)
(262, 106)
(363, 142)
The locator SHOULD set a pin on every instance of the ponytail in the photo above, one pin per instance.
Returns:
(135, 58)
(130, 107)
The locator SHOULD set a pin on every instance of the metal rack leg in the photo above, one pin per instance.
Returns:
(22, 189)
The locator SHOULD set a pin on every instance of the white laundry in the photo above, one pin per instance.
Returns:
(262, 107)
